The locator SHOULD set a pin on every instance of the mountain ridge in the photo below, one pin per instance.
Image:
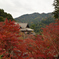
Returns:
(31, 17)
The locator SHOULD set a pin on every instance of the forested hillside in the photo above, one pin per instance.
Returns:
(4, 15)
(33, 18)
(36, 20)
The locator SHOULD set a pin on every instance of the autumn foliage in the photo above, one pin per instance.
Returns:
(42, 46)
(10, 44)
(46, 45)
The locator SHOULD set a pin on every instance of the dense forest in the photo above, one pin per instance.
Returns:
(36, 20)
(33, 18)
(45, 46)
(4, 15)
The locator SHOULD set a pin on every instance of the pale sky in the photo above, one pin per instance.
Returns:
(19, 7)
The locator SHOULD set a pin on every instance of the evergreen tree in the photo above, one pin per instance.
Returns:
(56, 6)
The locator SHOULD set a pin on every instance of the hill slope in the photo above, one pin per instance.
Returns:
(33, 18)
(36, 20)
(4, 15)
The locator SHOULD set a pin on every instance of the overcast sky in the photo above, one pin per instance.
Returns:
(19, 7)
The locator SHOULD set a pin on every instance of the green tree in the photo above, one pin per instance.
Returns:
(1, 19)
(56, 6)
(33, 26)
(1, 12)
(9, 16)
(4, 15)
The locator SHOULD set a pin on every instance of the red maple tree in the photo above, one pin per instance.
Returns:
(39, 47)
(45, 45)
(10, 44)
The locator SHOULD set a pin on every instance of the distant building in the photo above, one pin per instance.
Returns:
(24, 27)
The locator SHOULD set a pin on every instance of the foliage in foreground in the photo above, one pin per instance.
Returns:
(39, 47)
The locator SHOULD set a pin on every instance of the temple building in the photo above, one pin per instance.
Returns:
(24, 27)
